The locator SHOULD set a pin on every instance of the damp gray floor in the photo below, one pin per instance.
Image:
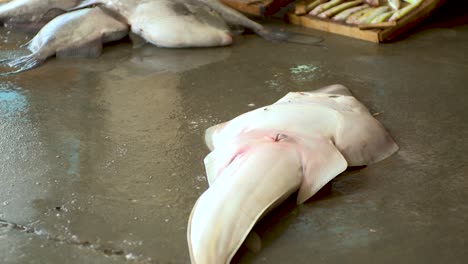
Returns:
(101, 159)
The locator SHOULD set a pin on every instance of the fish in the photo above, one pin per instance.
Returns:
(170, 24)
(260, 158)
(188, 23)
(33, 11)
(179, 24)
(72, 34)
(163, 23)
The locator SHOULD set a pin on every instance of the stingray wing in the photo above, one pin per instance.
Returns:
(329, 112)
(321, 162)
(363, 140)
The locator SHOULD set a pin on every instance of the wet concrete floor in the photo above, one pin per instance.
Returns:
(101, 159)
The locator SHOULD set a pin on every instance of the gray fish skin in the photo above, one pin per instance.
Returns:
(200, 30)
(172, 23)
(73, 34)
(179, 24)
(33, 11)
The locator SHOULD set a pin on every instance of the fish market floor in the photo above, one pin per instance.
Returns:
(101, 159)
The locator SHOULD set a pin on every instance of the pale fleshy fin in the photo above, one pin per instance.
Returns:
(362, 139)
(219, 159)
(211, 166)
(210, 133)
(321, 163)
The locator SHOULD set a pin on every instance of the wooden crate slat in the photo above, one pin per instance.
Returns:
(333, 27)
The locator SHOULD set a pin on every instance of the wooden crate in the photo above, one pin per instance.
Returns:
(257, 7)
(390, 32)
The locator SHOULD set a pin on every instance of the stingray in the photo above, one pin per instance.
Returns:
(172, 23)
(258, 159)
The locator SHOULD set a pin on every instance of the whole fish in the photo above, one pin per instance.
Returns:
(179, 24)
(74, 34)
(33, 11)
(170, 23)
(258, 159)
(188, 23)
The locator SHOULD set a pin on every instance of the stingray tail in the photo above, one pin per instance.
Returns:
(21, 64)
(274, 34)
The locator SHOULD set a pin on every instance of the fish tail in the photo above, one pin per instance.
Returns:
(21, 64)
(251, 185)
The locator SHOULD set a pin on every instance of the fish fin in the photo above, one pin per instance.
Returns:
(253, 242)
(210, 133)
(24, 45)
(321, 163)
(114, 36)
(274, 34)
(211, 166)
(89, 50)
(22, 64)
(363, 140)
(137, 41)
(189, 233)
(5, 60)
(333, 89)
(218, 160)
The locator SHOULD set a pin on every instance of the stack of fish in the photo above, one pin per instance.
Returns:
(358, 12)
(81, 27)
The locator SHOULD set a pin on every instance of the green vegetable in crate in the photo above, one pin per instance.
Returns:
(394, 4)
(348, 12)
(337, 9)
(325, 6)
(369, 16)
(382, 17)
(373, 2)
(412, 1)
(354, 18)
(405, 10)
(314, 4)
